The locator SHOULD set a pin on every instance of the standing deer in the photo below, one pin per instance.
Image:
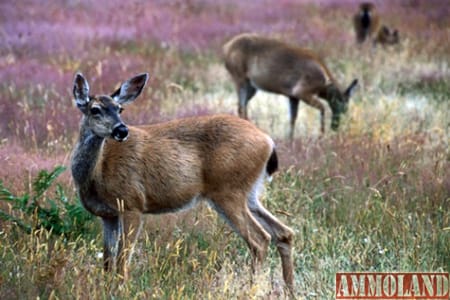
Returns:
(366, 22)
(122, 172)
(256, 62)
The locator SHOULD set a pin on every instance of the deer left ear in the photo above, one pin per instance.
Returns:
(130, 89)
(80, 90)
(351, 88)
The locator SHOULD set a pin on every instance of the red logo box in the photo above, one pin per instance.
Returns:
(372, 285)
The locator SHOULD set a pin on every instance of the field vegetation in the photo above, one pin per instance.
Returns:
(374, 196)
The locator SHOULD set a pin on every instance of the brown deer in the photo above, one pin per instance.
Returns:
(256, 62)
(366, 22)
(122, 172)
(387, 37)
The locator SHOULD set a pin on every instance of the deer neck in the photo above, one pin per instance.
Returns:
(86, 155)
(329, 92)
(85, 158)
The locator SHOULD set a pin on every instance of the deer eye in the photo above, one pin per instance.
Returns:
(95, 111)
(120, 110)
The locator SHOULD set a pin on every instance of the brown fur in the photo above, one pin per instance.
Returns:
(256, 62)
(181, 153)
(387, 37)
(169, 166)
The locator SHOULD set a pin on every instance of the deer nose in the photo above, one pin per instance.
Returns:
(120, 132)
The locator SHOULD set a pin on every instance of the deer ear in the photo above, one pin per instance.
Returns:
(351, 88)
(130, 89)
(80, 90)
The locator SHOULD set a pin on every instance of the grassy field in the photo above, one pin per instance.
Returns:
(374, 196)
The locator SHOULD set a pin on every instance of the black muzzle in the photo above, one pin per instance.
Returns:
(120, 133)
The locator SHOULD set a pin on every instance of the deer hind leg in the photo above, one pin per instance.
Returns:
(281, 235)
(245, 92)
(233, 208)
(130, 227)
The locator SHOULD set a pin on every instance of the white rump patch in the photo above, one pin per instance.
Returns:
(253, 197)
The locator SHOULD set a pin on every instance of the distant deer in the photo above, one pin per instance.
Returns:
(367, 25)
(387, 36)
(122, 172)
(366, 22)
(256, 62)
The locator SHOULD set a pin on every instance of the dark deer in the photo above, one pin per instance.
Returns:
(366, 22)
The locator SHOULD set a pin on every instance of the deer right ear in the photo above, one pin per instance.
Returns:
(351, 88)
(130, 89)
(80, 90)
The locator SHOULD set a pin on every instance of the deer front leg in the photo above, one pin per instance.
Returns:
(110, 242)
(293, 109)
(245, 92)
(314, 102)
(130, 227)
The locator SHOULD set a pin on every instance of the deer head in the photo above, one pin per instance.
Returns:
(102, 113)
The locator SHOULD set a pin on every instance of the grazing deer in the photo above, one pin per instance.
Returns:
(366, 22)
(122, 172)
(256, 62)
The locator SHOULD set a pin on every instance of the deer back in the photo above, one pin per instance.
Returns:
(273, 65)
